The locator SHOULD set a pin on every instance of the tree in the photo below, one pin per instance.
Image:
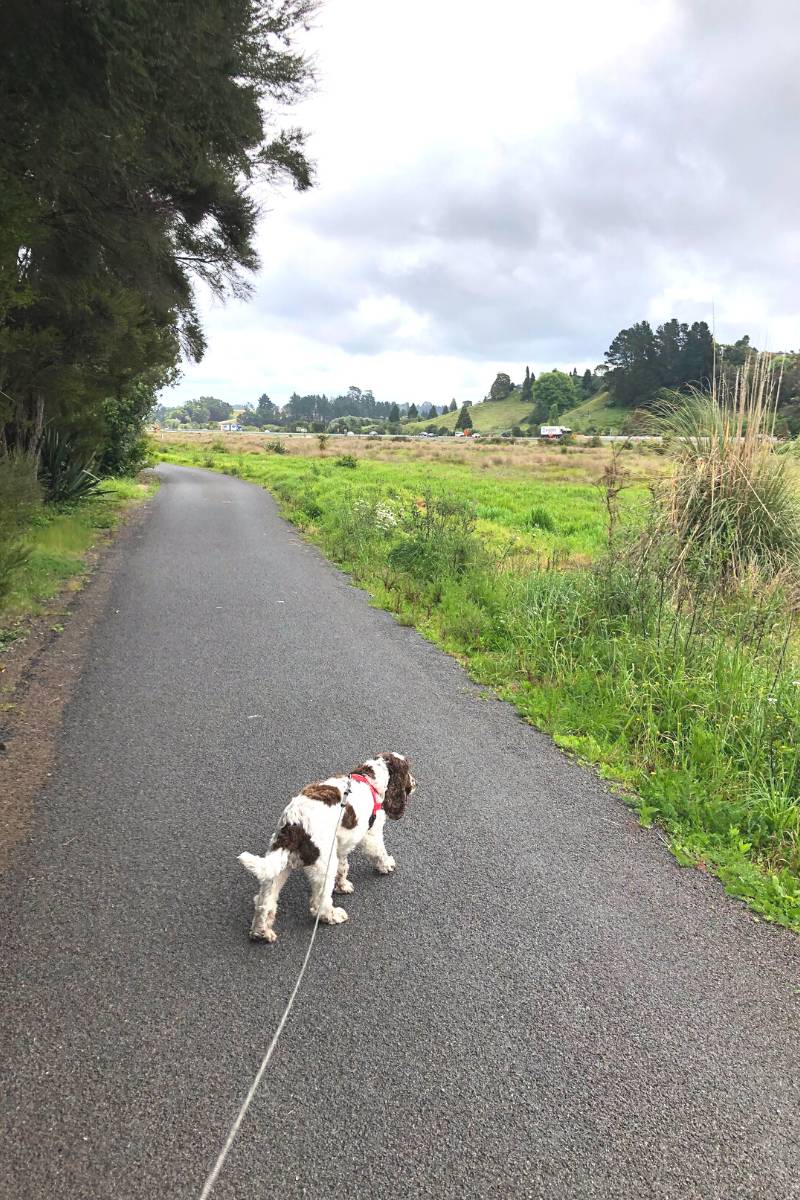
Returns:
(527, 386)
(412, 412)
(501, 388)
(453, 406)
(218, 410)
(394, 414)
(464, 419)
(632, 358)
(267, 413)
(133, 133)
(553, 390)
(587, 383)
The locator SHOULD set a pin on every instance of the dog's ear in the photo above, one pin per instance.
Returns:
(399, 787)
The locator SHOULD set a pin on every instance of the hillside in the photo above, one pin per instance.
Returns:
(496, 416)
(596, 415)
(492, 416)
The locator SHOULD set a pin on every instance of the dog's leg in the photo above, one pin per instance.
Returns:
(343, 884)
(373, 847)
(322, 883)
(266, 903)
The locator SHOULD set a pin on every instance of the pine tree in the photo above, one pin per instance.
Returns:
(453, 406)
(412, 412)
(394, 415)
(527, 386)
(464, 419)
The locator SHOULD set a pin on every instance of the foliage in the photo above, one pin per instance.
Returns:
(501, 388)
(553, 393)
(133, 134)
(346, 460)
(464, 419)
(642, 361)
(526, 393)
(65, 471)
(275, 446)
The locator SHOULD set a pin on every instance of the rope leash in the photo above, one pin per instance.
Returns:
(223, 1154)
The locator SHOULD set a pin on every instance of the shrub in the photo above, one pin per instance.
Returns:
(347, 460)
(65, 471)
(19, 497)
(438, 540)
(276, 446)
(218, 446)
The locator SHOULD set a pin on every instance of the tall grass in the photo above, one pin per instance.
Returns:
(732, 506)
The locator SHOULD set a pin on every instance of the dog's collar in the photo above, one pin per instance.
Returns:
(377, 799)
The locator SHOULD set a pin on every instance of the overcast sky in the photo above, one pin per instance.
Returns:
(514, 182)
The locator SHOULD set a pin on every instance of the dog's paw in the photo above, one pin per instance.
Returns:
(334, 916)
(344, 888)
(263, 935)
(386, 865)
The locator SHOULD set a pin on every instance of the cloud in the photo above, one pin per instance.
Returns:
(517, 187)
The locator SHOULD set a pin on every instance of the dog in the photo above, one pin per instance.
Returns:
(379, 788)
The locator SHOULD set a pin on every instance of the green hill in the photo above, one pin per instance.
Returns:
(493, 416)
(496, 416)
(596, 415)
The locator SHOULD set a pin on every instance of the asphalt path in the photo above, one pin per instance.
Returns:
(539, 1003)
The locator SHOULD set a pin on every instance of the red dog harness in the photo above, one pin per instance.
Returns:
(377, 802)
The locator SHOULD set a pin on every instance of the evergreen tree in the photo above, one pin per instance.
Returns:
(412, 412)
(394, 414)
(464, 419)
(453, 406)
(132, 133)
(527, 386)
(587, 383)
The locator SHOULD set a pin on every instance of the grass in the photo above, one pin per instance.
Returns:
(58, 538)
(492, 416)
(497, 416)
(532, 502)
(596, 414)
(689, 704)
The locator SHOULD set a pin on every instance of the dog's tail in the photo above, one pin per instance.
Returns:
(267, 867)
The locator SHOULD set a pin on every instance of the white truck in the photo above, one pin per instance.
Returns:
(551, 433)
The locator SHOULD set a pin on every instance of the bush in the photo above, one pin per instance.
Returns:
(276, 446)
(438, 540)
(347, 460)
(65, 472)
(20, 496)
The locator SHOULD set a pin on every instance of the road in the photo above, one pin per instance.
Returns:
(539, 1003)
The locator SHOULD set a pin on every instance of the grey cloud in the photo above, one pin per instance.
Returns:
(687, 161)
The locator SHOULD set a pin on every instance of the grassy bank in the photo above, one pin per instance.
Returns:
(693, 706)
(56, 539)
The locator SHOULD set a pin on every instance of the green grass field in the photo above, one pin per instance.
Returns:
(694, 710)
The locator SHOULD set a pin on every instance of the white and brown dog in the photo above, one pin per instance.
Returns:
(378, 789)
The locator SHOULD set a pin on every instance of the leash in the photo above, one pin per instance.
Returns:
(223, 1154)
